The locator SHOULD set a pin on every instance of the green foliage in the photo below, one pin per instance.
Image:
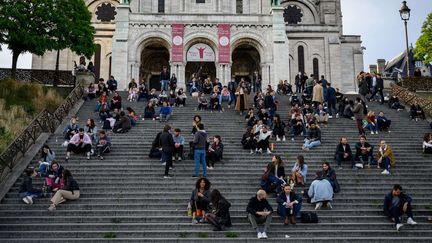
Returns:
(231, 234)
(110, 235)
(423, 49)
(115, 220)
(38, 26)
(202, 234)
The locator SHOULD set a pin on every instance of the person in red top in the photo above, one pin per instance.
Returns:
(116, 101)
(102, 102)
(372, 122)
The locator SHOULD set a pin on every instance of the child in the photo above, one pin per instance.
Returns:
(26, 191)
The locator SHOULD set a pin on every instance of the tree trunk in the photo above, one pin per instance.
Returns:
(56, 74)
(15, 55)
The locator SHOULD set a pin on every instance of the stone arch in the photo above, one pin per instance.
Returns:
(246, 57)
(252, 39)
(308, 9)
(321, 65)
(194, 38)
(146, 39)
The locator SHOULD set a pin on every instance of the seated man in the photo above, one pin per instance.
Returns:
(263, 137)
(416, 112)
(260, 212)
(314, 137)
(103, 145)
(123, 124)
(395, 104)
(321, 191)
(382, 122)
(385, 157)
(322, 115)
(79, 143)
(364, 152)
(178, 145)
(165, 112)
(297, 127)
(289, 205)
(396, 203)
(344, 153)
(202, 102)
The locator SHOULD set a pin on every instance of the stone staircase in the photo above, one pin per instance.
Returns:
(125, 197)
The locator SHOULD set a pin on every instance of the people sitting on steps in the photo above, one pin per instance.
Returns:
(248, 140)
(416, 112)
(26, 190)
(215, 152)
(80, 143)
(330, 174)
(382, 122)
(103, 145)
(313, 138)
(396, 203)
(70, 130)
(385, 157)
(260, 214)
(200, 200)
(70, 191)
(53, 178)
(123, 124)
(364, 153)
(220, 217)
(274, 175)
(321, 191)
(344, 153)
(262, 138)
(299, 171)
(179, 141)
(47, 157)
(289, 205)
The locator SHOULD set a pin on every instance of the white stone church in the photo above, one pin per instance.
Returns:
(136, 38)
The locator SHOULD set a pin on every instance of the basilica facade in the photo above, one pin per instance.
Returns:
(226, 38)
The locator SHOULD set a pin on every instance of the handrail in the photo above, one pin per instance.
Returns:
(44, 122)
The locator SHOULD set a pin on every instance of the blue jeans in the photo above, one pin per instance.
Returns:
(200, 158)
(232, 98)
(164, 85)
(31, 194)
(372, 128)
(385, 163)
(224, 98)
(310, 144)
(284, 212)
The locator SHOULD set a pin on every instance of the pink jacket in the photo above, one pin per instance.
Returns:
(76, 139)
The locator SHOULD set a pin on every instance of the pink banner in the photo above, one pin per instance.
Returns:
(224, 33)
(177, 42)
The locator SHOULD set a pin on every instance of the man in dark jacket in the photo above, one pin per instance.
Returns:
(164, 78)
(331, 100)
(289, 205)
(232, 87)
(200, 139)
(344, 153)
(396, 203)
(167, 142)
(260, 212)
(378, 88)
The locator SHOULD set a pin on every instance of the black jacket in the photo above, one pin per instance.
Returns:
(379, 83)
(388, 202)
(341, 151)
(258, 206)
(167, 142)
(222, 211)
(27, 186)
(281, 199)
(71, 184)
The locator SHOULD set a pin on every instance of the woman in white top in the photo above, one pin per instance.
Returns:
(427, 143)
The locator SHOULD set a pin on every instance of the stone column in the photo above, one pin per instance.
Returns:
(178, 68)
(119, 65)
(381, 63)
(265, 75)
(280, 47)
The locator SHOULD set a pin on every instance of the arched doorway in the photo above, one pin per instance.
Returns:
(245, 61)
(200, 59)
(154, 56)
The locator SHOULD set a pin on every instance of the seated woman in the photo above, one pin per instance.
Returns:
(313, 138)
(103, 101)
(297, 127)
(372, 122)
(142, 91)
(427, 143)
(53, 178)
(320, 191)
(133, 91)
(394, 103)
(200, 200)
(132, 116)
(123, 124)
(274, 175)
(347, 113)
(103, 145)
(165, 112)
(47, 157)
(104, 113)
(79, 143)
(91, 129)
(202, 102)
(196, 121)
(181, 98)
(278, 128)
(289, 205)
(70, 129)
(220, 218)
(91, 92)
(416, 112)
(70, 191)
(26, 191)
(263, 137)
(214, 102)
(330, 174)
(116, 101)
(149, 111)
(248, 140)
(299, 171)
(382, 122)
(214, 152)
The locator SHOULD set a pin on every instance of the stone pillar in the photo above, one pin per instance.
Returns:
(280, 48)
(224, 73)
(373, 68)
(120, 47)
(135, 71)
(178, 68)
(381, 63)
(266, 75)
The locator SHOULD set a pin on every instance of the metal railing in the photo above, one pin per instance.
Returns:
(45, 77)
(417, 83)
(44, 122)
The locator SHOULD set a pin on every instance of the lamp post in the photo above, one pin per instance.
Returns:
(405, 16)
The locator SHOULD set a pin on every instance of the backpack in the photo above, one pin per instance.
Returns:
(309, 217)
(106, 125)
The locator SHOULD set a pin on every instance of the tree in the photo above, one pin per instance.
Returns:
(38, 26)
(423, 49)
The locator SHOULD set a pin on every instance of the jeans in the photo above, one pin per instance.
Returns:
(372, 128)
(385, 162)
(295, 211)
(396, 212)
(164, 117)
(200, 158)
(232, 98)
(31, 194)
(296, 130)
(310, 144)
(168, 161)
(224, 98)
(332, 107)
(164, 85)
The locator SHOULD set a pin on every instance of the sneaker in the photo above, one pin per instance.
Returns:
(52, 207)
(318, 205)
(337, 116)
(163, 164)
(259, 235)
(283, 139)
(376, 132)
(194, 176)
(179, 159)
(194, 221)
(330, 117)
(252, 152)
(372, 133)
(28, 200)
(329, 205)
(411, 221)
(264, 235)
(88, 156)
(398, 226)
(167, 177)
(208, 167)
(385, 172)
(268, 151)
(292, 139)
(101, 158)
(277, 139)
(340, 168)
(305, 148)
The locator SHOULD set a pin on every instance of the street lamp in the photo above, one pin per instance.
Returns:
(405, 16)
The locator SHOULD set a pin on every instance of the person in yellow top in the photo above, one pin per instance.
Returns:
(385, 157)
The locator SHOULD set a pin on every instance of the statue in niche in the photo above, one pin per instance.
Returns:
(275, 2)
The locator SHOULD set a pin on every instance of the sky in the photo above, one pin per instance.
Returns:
(377, 21)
